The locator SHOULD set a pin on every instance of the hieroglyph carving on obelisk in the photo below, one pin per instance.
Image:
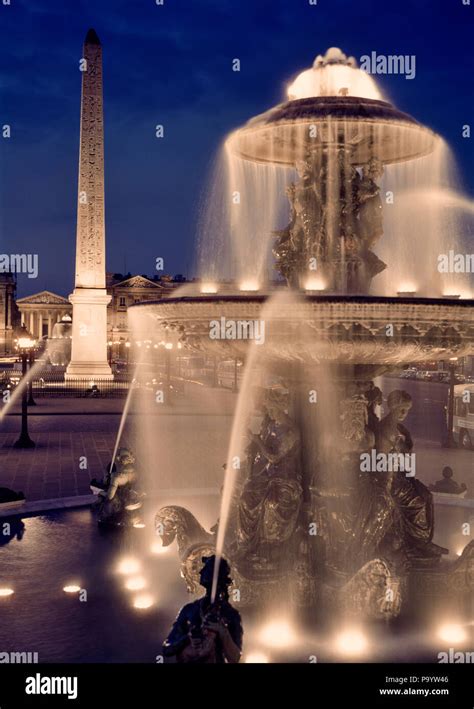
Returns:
(90, 255)
(90, 298)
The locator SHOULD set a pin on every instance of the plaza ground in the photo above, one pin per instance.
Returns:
(193, 437)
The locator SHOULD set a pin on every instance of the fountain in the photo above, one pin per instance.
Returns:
(59, 344)
(301, 517)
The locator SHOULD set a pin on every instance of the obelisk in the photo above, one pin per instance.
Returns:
(90, 298)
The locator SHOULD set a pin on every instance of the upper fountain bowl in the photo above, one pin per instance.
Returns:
(365, 127)
(317, 328)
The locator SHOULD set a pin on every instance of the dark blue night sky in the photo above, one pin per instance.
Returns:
(172, 65)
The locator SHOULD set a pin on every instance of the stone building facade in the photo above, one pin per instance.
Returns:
(137, 289)
(40, 311)
(9, 316)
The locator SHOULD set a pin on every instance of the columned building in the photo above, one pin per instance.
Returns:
(40, 311)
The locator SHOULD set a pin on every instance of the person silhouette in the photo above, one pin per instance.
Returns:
(207, 631)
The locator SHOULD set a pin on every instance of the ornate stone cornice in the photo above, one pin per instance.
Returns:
(363, 331)
(43, 298)
(137, 282)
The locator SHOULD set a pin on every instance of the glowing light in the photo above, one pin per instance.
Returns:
(169, 345)
(26, 343)
(257, 658)
(139, 525)
(406, 289)
(278, 633)
(351, 642)
(208, 288)
(6, 592)
(452, 633)
(249, 285)
(158, 548)
(315, 283)
(72, 588)
(128, 566)
(143, 601)
(136, 583)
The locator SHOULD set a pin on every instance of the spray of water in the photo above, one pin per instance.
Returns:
(234, 454)
(24, 381)
(126, 408)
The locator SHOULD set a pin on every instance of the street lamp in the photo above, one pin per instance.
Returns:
(31, 401)
(25, 344)
(168, 348)
(450, 442)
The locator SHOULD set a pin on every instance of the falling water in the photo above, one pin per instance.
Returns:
(235, 453)
(247, 201)
(24, 381)
(424, 217)
(128, 401)
(256, 363)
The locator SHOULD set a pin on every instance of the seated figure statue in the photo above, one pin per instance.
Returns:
(207, 632)
(118, 495)
(271, 497)
(412, 513)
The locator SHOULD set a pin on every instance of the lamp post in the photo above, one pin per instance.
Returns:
(127, 347)
(450, 442)
(25, 344)
(168, 348)
(178, 359)
(31, 401)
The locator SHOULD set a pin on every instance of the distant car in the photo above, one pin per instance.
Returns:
(463, 418)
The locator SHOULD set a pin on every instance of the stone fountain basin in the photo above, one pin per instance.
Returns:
(366, 127)
(360, 330)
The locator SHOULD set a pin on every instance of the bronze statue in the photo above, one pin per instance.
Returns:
(271, 497)
(335, 219)
(207, 631)
(413, 513)
(175, 522)
(118, 498)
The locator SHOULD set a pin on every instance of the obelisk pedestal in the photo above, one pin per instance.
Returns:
(90, 297)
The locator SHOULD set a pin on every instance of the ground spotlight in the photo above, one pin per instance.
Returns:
(278, 633)
(256, 657)
(452, 633)
(351, 642)
(145, 600)
(135, 583)
(71, 588)
(128, 566)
